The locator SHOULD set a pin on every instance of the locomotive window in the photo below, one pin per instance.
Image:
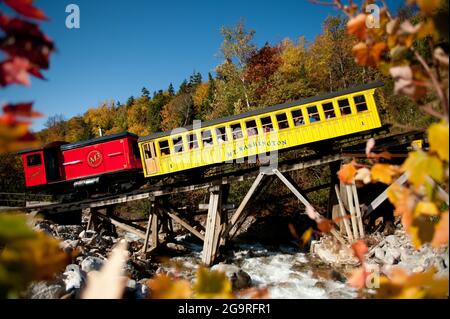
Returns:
(360, 102)
(328, 110)
(252, 128)
(313, 114)
(207, 138)
(267, 125)
(192, 141)
(298, 117)
(164, 147)
(34, 160)
(282, 121)
(178, 144)
(344, 106)
(237, 131)
(221, 134)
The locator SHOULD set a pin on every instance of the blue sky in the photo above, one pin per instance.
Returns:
(123, 46)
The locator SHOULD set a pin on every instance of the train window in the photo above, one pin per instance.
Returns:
(236, 129)
(267, 125)
(328, 110)
(192, 141)
(34, 160)
(298, 117)
(252, 128)
(282, 121)
(178, 144)
(164, 147)
(344, 106)
(360, 102)
(207, 138)
(313, 114)
(221, 134)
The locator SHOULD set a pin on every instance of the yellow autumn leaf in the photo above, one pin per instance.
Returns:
(212, 285)
(164, 287)
(307, 236)
(426, 208)
(419, 165)
(428, 7)
(384, 173)
(438, 138)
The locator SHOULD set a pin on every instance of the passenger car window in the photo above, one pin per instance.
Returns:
(313, 114)
(297, 116)
(207, 138)
(282, 121)
(192, 141)
(164, 148)
(360, 102)
(236, 130)
(267, 125)
(178, 144)
(252, 128)
(34, 160)
(344, 106)
(328, 110)
(221, 134)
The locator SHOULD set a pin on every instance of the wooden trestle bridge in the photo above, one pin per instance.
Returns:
(219, 229)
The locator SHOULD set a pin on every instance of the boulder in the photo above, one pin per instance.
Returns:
(91, 263)
(45, 290)
(74, 278)
(239, 278)
(141, 291)
(392, 240)
(379, 253)
(176, 247)
(69, 245)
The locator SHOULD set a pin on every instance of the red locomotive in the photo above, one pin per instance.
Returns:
(109, 163)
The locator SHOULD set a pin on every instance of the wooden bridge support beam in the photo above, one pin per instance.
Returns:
(214, 224)
(152, 228)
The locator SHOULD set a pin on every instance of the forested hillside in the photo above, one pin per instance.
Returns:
(247, 78)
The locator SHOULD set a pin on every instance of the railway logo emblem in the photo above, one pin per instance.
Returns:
(94, 158)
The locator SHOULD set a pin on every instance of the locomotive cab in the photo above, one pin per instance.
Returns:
(42, 165)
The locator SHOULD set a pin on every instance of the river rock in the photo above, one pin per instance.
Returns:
(379, 253)
(392, 256)
(176, 247)
(392, 240)
(91, 263)
(239, 278)
(74, 278)
(45, 290)
(141, 291)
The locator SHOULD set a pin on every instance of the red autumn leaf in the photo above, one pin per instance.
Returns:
(26, 8)
(21, 109)
(347, 173)
(25, 39)
(360, 249)
(14, 71)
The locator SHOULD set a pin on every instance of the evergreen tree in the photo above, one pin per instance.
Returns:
(145, 92)
(171, 90)
(130, 101)
(184, 87)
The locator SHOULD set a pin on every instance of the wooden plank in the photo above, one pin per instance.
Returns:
(237, 215)
(185, 224)
(352, 212)
(155, 229)
(127, 228)
(148, 229)
(343, 215)
(358, 211)
(212, 233)
(383, 196)
(292, 188)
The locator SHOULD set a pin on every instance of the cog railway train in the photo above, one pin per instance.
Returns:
(120, 162)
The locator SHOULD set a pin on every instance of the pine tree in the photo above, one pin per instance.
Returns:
(145, 92)
(171, 90)
(130, 101)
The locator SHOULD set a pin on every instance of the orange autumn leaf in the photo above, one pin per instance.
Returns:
(165, 287)
(369, 55)
(324, 225)
(384, 173)
(358, 278)
(360, 249)
(357, 26)
(347, 173)
(441, 231)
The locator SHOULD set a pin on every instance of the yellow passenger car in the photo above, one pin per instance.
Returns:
(261, 131)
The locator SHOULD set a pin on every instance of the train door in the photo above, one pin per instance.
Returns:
(52, 164)
(151, 161)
